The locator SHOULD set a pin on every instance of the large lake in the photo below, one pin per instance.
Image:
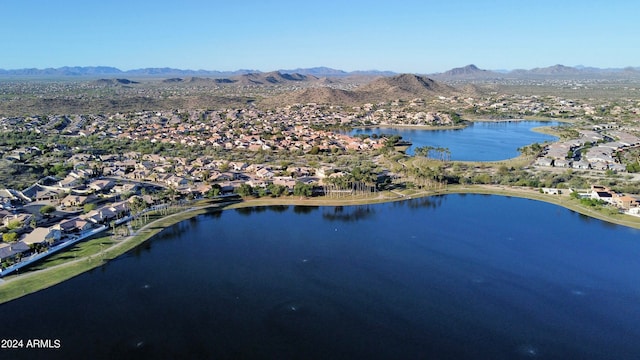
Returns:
(480, 141)
(446, 277)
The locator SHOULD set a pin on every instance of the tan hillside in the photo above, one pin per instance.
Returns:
(405, 87)
(318, 95)
(272, 78)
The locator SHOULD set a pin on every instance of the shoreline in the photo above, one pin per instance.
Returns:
(21, 285)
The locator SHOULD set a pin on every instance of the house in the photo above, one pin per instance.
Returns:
(74, 200)
(23, 219)
(101, 185)
(543, 161)
(581, 165)
(120, 209)
(602, 193)
(73, 225)
(625, 201)
(551, 191)
(562, 163)
(287, 181)
(238, 166)
(617, 167)
(264, 173)
(10, 252)
(38, 192)
(69, 182)
(100, 216)
(176, 181)
(42, 235)
(125, 188)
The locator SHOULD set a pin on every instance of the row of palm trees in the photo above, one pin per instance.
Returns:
(434, 152)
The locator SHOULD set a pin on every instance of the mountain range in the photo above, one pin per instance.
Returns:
(466, 72)
(551, 72)
(402, 87)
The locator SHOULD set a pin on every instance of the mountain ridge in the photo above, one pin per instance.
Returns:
(466, 72)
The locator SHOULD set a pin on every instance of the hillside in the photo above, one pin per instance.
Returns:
(111, 82)
(198, 80)
(467, 72)
(272, 78)
(404, 86)
(318, 95)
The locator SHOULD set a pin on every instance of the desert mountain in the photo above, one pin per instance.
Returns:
(318, 95)
(404, 86)
(198, 80)
(556, 70)
(115, 82)
(317, 72)
(272, 78)
(467, 72)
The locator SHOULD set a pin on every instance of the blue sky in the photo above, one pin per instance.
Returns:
(403, 36)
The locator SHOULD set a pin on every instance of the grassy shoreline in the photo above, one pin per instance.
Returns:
(16, 286)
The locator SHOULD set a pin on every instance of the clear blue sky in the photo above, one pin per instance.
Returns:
(403, 36)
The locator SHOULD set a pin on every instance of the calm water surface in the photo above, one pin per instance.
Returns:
(449, 277)
(481, 141)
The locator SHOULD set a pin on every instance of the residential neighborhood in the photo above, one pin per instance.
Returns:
(86, 188)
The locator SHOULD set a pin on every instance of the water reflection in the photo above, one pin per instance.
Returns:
(349, 214)
(278, 208)
(431, 202)
(300, 209)
(251, 210)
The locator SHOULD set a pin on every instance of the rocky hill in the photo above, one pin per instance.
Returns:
(404, 86)
(111, 82)
(272, 78)
(318, 95)
(467, 72)
(198, 80)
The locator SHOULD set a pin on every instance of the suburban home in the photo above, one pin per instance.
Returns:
(24, 219)
(41, 235)
(37, 192)
(69, 182)
(285, 181)
(617, 167)
(625, 201)
(176, 181)
(124, 188)
(121, 208)
(603, 193)
(551, 191)
(562, 163)
(264, 173)
(100, 216)
(582, 164)
(75, 200)
(101, 185)
(543, 161)
(238, 166)
(9, 252)
(74, 225)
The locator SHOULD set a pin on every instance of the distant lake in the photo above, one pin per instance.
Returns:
(480, 141)
(432, 278)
